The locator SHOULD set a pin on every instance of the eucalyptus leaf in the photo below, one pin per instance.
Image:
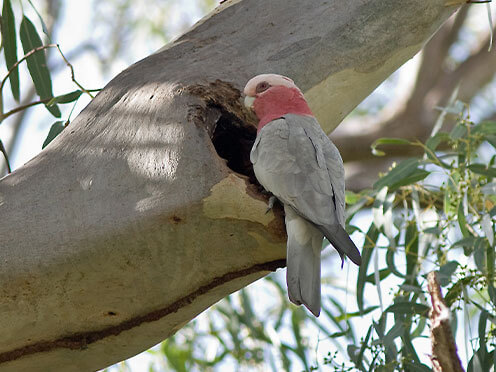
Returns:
(468, 244)
(484, 315)
(462, 221)
(37, 63)
(408, 351)
(43, 25)
(492, 212)
(433, 142)
(485, 127)
(408, 308)
(353, 352)
(55, 130)
(456, 289)
(432, 230)
(387, 141)
(415, 367)
(65, 98)
(346, 316)
(388, 339)
(9, 41)
(383, 273)
(480, 258)
(492, 293)
(482, 169)
(405, 173)
(487, 227)
(459, 131)
(368, 246)
(411, 250)
(391, 141)
(489, 188)
(474, 365)
(491, 139)
(363, 347)
(391, 265)
(446, 272)
(400, 171)
(351, 197)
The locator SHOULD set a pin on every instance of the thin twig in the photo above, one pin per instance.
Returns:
(16, 124)
(20, 108)
(26, 56)
(73, 74)
(31, 52)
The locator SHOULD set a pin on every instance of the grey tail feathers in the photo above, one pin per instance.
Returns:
(340, 240)
(303, 269)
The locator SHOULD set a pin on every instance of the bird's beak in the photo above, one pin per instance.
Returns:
(249, 102)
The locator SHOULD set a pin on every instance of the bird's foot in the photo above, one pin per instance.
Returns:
(272, 201)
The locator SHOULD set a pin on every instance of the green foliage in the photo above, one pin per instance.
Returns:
(451, 209)
(37, 64)
(55, 130)
(9, 40)
(39, 72)
(432, 212)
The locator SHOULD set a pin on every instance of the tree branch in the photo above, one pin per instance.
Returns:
(26, 56)
(444, 352)
(412, 118)
(432, 65)
(23, 107)
(472, 75)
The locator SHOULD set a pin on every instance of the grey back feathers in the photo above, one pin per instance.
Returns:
(295, 160)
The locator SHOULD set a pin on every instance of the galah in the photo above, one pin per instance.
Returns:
(297, 162)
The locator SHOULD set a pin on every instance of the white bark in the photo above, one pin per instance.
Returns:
(129, 224)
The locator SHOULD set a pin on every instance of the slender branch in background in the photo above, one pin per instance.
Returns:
(472, 74)
(432, 65)
(73, 74)
(413, 117)
(31, 52)
(16, 126)
(444, 352)
(23, 107)
(26, 56)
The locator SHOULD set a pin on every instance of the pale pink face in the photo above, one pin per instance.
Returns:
(271, 96)
(260, 83)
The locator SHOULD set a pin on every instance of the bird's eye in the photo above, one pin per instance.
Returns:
(262, 87)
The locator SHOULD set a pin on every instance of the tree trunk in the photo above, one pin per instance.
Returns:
(130, 223)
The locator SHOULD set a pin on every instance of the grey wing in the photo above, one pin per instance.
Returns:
(285, 163)
(289, 161)
(296, 161)
(335, 170)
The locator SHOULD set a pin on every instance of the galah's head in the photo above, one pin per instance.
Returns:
(271, 96)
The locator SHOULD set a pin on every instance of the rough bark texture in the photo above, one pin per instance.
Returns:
(130, 224)
(444, 352)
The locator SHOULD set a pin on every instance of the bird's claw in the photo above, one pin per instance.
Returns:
(272, 200)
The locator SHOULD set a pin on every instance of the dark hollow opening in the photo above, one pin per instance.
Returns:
(233, 142)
